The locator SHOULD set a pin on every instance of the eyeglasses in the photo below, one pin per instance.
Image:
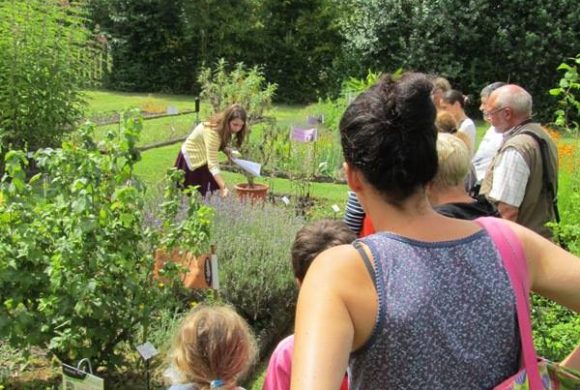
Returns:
(487, 114)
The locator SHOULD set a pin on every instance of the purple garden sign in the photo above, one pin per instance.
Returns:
(303, 135)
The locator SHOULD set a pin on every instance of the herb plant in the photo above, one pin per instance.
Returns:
(253, 248)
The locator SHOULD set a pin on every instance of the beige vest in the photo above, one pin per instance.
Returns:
(536, 208)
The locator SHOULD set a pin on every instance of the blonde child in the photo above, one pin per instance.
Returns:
(213, 349)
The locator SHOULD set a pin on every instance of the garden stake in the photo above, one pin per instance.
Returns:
(147, 351)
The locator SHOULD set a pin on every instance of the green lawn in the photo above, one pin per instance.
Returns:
(107, 101)
(157, 130)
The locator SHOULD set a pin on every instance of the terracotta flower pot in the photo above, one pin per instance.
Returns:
(197, 269)
(255, 193)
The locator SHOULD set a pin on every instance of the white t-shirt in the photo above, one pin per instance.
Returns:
(468, 128)
(486, 151)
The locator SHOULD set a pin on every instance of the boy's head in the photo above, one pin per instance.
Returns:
(313, 239)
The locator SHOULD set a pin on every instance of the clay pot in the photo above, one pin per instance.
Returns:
(197, 269)
(255, 193)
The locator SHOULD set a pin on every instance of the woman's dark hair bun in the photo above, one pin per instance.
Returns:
(389, 133)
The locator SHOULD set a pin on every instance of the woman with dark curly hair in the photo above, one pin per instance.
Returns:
(424, 303)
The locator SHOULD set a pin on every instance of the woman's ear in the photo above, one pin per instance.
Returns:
(352, 177)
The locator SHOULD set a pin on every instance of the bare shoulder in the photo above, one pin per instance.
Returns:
(339, 268)
(335, 260)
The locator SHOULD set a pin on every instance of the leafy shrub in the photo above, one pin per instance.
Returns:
(567, 117)
(43, 54)
(568, 90)
(298, 42)
(556, 328)
(248, 87)
(253, 247)
(76, 248)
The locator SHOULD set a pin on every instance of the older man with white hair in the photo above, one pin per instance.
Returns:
(522, 179)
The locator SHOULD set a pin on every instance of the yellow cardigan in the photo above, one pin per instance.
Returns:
(201, 147)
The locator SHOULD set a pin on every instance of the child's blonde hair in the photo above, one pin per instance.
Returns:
(454, 160)
(213, 344)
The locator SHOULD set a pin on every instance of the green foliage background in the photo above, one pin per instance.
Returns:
(161, 46)
(308, 47)
(471, 42)
(43, 54)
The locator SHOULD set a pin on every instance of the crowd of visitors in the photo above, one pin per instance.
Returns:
(421, 299)
(427, 303)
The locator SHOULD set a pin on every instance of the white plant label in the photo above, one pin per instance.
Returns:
(147, 350)
(76, 379)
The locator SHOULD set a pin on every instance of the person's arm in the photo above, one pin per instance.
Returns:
(508, 212)
(221, 184)
(510, 178)
(572, 360)
(553, 272)
(212, 146)
(335, 315)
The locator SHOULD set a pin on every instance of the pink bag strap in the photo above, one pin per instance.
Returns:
(514, 261)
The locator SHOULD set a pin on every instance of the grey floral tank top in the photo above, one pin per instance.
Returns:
(446, 320)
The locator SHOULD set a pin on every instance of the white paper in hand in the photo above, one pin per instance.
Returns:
(248, 166)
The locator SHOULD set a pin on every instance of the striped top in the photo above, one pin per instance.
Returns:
(446, 316)
(201, 147)
(353, 213)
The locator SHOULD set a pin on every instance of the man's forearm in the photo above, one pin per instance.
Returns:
(508, 212)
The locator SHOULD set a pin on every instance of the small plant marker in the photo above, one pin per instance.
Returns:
(147, 351)
(335, 208)
(286, 200)
(215, 279)
(80, 379)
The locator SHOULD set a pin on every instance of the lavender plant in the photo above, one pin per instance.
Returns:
(253, 248)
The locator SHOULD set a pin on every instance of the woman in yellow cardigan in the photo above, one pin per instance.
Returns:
(198, 156)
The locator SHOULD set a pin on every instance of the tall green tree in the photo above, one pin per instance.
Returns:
(299, 42)
(148, 49)
(160, 45)
(471, 42)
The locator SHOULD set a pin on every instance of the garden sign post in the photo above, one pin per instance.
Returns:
(75, 378)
